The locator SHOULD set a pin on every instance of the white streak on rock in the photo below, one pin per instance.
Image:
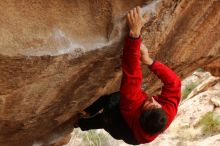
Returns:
(152, 7)
(77, 49)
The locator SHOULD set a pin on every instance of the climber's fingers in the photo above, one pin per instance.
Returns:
(129, 19)
(132, 15)
(138, 9)
(136, 16)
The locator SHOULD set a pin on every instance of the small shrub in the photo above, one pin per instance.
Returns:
(210, 123)
(200, 70)
(188, 89)
(95, 138)
(91, 138)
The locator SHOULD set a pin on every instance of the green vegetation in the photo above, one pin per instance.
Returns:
(210, 123)
(200, 70)
(93, 138)
(188, 89)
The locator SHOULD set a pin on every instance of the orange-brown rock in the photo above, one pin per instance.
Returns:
(58, 56)
(214, 67)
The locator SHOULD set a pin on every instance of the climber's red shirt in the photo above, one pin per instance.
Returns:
(132, 96)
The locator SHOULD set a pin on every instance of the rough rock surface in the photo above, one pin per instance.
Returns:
(214, 67)
(58, 56)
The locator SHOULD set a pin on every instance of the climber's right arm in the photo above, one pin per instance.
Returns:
(171, 91)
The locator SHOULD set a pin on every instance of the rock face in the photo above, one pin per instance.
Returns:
(58, 56)
(214, 67)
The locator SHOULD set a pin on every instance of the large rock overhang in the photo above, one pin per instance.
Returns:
(57, 57)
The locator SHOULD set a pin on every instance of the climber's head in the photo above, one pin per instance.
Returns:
(153, 118)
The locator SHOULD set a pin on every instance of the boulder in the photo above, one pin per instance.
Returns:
(58, 56)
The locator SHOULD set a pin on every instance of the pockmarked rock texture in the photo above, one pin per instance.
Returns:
(58, 56)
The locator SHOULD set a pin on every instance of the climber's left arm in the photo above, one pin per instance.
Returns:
(131, 92)
(132, 74)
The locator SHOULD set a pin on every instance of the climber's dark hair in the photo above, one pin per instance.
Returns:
(153, 120)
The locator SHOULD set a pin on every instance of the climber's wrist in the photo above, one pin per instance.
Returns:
(134, 34)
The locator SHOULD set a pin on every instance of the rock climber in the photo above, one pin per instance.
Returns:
(131, 115)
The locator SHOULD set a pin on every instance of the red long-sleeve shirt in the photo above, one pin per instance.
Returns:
(132, 96)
